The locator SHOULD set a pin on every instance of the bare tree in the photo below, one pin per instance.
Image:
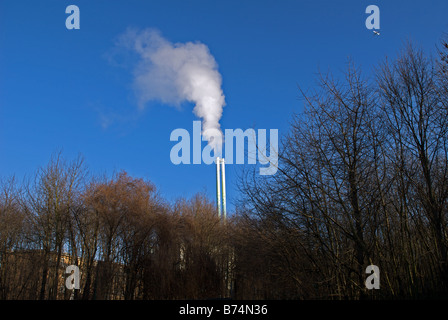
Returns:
(12, 229)
(48, 202)
(415, 106)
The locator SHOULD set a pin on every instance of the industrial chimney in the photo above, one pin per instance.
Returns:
(221, 187)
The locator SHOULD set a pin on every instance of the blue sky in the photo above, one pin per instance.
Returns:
(60, 89)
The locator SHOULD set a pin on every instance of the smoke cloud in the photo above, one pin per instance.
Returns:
(176, 72)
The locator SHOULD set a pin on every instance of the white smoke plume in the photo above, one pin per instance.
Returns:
(176, 72)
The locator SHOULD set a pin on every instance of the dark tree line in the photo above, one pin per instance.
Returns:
(362, 180)
(127, 241)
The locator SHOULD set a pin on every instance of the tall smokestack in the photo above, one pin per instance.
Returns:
(221, 186)
(223, 172)
(218, 187)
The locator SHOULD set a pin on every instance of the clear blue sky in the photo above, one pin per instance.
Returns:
(59, 90)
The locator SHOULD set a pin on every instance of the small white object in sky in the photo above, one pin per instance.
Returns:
(376, 32)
